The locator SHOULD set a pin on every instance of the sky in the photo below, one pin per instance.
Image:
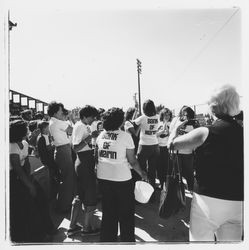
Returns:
(85, 54)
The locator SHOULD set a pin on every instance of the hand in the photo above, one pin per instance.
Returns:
(69, 130)
(95, 134)
(176, 131)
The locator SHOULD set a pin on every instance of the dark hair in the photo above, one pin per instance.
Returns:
(101, 111)
(42, 125)
(149, 108)
(181, 110)
(39, 116)
(190, 112)
(32, 126)
(129, 113)
(25, 113)
(164, 112)
(53, 107)
(18, 130)
(88, 111)
(113, 119)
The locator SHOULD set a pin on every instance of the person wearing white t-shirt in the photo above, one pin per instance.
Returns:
(85, 172)
(163, 136)
(115, 157)
(29, 212)
(186, 156)
(60, 131)
(148, 149)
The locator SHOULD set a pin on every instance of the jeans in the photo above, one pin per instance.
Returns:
(149, 154)
(210, 217)
(118, 206)
(162, 165)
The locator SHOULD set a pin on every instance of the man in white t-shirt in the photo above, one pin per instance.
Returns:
(60, 131)
(85, 171)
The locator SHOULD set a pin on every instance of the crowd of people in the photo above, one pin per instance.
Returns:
(103, 154)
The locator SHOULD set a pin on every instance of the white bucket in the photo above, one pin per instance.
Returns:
(143, 191)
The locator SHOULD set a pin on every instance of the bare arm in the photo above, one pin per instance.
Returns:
(85, 141)
(134, 163)
(191, 140)
(132, 131)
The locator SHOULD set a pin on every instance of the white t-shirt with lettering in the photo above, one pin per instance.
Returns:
(176, 122)
(113, 164)
(57, 129)
(149, 127)
(23, 153)
(80, 132)
(163, 141)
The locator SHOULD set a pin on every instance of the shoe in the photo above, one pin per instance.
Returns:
(91, 232)
(73, 231)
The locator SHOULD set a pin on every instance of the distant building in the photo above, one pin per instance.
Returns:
(19, 102)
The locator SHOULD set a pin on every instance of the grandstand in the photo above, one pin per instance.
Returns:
(19, 102)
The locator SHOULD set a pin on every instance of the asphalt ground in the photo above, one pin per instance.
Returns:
(149, 227)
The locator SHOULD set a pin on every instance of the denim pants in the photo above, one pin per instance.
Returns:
(210, 217)
(148, 158)
(118, 207)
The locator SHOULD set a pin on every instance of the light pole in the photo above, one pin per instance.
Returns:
(139, 71)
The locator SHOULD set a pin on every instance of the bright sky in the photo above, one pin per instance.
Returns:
(83, 54)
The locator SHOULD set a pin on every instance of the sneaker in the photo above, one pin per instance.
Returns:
(91, 232)
(73, 231)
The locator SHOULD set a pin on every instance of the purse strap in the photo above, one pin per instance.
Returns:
(173, 157)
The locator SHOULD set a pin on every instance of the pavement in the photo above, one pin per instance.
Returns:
(149, 227)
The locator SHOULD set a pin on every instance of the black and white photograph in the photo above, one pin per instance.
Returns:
(124, 123)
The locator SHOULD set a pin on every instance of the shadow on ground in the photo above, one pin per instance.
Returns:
(149, 227)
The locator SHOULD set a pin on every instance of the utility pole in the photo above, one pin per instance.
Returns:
(139, 71)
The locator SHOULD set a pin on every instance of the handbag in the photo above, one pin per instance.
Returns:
(172, 197)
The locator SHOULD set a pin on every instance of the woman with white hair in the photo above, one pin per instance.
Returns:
(217, 204)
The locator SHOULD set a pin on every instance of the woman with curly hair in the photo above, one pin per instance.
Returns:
(115, 158)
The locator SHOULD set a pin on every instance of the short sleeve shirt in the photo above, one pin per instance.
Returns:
(57, 129)
(163, 141)
(127, 126)
(149, 127)
(80, 132)
(23, 153)
(187, 129)
(113, 164)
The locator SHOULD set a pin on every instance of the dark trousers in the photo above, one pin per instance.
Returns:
(29, 216)
(186, 164)
(63, 159)
(86, 178)
(148, 158)
(118, 206)
(162, 165)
